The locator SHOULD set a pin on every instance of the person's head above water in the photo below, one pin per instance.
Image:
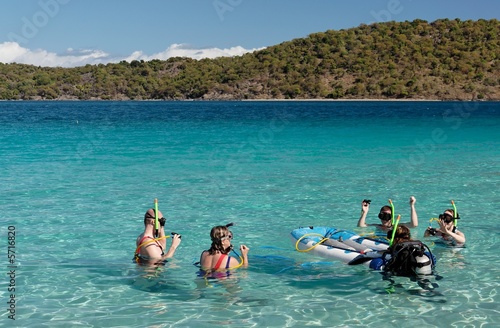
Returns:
(221, 239)
(402, 234)
(149, 217)
(385, 215)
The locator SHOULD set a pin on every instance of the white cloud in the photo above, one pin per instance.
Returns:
(12, 52)
(180, 50)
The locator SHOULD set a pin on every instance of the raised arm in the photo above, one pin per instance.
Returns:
(176, 240)
(413, 213)
(244, 254)
(458, 236)
(365, 207)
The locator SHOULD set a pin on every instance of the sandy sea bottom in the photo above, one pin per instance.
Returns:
(77, 178)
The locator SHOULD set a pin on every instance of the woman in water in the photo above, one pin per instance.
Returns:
(217, 258)
(447, 229)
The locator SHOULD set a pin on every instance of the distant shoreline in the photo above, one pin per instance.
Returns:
(328, 100)
(445, 60)
(250, 100)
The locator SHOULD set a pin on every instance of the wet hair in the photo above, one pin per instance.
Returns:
(148, 216)
(451, 211)
(216, 234)
(402, 234)
(386, 208)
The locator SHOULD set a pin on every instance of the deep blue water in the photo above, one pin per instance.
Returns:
(77, 177)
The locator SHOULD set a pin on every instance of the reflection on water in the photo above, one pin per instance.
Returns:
(230, 161)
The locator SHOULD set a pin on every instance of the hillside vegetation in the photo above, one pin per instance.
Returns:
(445, 59)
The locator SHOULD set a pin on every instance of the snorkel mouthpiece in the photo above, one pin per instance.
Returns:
(228, 249)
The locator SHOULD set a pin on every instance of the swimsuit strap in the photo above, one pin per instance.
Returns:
(143, 238)
(228, 261)
(219, 261)
(141, 244)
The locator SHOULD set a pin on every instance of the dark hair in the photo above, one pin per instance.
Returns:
(386, 208)
(148, 216)
(216, 234)
(452, 212)
(402, 234)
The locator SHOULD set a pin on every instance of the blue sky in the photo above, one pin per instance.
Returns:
(77, 32)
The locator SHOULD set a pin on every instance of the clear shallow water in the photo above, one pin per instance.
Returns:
(77, 178)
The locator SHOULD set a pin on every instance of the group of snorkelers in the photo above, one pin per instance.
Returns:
(406, 256)
(152, 249)
(447, 222)
(152, 246)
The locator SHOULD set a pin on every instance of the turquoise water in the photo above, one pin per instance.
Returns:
(77, 177)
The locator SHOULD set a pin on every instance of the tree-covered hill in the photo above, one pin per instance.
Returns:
(445, 59)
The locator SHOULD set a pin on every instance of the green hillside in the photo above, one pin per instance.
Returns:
(445, 59)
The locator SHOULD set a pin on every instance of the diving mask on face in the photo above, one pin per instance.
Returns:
(385, 216)
(446, 217)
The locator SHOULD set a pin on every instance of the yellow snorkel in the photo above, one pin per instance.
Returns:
(241, 262)
(392, 211)
(323, 238)
(136, 256)
(157, 224)
(394, 229)
(455, 214)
